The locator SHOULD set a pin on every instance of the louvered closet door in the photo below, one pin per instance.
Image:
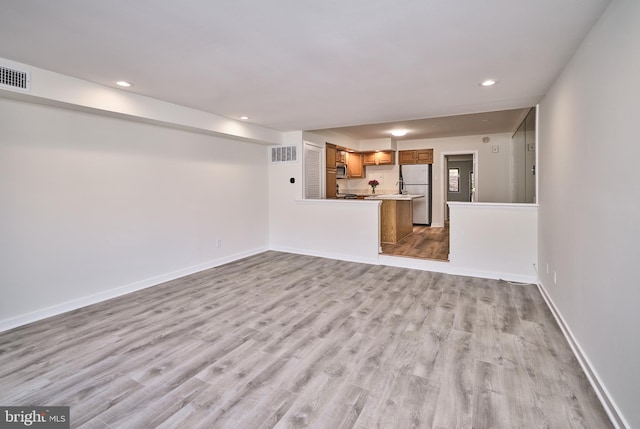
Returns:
(312, 171)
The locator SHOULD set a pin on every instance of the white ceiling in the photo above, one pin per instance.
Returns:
(301, 65)
(504, 121)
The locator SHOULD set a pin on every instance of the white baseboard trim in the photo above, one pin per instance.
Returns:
(452, 268)
(412, 263)
(328, 255)
(616, 417)
(415, 264)
(74, 304)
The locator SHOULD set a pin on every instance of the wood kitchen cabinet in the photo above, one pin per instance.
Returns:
(419, 156)
(424, 156)
(330, 171)
(379, 158)
(331, 182)
(331, 155)
(396, 220)
(386, 158)
(354, 165)
(341, 156)
(406, 157)
(369, 158)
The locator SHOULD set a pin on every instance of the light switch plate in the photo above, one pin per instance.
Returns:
(495, 148)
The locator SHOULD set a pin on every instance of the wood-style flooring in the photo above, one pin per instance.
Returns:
(425, 242)
(290, 341)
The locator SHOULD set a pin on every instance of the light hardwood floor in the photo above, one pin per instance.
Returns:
(282, 340)
(426, 242)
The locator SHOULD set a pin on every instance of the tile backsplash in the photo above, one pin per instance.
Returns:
(387, 175)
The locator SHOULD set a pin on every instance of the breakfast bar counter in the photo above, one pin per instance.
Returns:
(396, 197)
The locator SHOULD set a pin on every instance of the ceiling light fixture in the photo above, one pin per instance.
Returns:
(399, 133)
(489, 82)
(124, 84)
(244, 118)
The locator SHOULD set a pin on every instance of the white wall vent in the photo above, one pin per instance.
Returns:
(15, 80)
(280, 154)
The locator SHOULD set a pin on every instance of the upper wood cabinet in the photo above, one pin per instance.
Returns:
(406, 157)
(341, 156)
(379, 158)
(424, 156)
(386, 158)
(369, 158)
(354, 165)
(420, 156)
(331, 155)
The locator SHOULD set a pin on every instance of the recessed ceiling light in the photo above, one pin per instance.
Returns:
(399, 133)
(124, 84)
(244, 118)
(489, 82)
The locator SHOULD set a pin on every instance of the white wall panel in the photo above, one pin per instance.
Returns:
(92, 204)
(589, 205)
(499, 240)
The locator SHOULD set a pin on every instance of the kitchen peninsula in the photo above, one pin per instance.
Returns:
(396, 216)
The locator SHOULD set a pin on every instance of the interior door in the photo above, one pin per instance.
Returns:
(312, 171)
(530, 157)
(472, 179)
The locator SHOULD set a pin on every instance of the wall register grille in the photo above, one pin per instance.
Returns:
(15, 80)
(280, 154)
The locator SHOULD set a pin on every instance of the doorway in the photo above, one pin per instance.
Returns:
(459, 179)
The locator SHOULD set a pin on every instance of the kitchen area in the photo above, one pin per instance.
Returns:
(401, 180)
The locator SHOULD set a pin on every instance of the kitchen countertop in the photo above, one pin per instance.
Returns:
(357, 194)
(394, 197)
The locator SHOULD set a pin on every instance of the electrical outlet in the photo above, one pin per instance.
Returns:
(547, 269)
(555, 278)
(219, 243)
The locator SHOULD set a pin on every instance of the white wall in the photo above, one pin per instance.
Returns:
(492, 177)
(323, 136)
(589, 226)
(347, 230)
(494, 240)
(93, 206)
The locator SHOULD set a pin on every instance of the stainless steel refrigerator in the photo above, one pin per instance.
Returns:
(416, 180)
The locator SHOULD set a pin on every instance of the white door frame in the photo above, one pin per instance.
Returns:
(445, 175)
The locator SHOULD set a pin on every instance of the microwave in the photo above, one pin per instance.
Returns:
(341, 171)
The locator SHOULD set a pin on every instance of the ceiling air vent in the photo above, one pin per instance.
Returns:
(281, 154)
(15, 80)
